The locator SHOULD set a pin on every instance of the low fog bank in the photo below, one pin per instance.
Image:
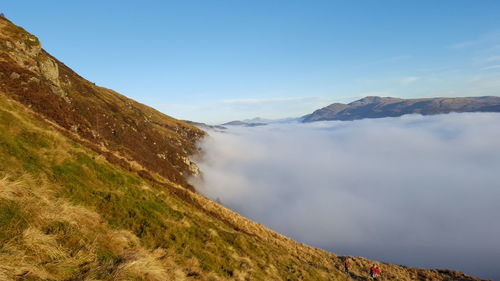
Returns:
(416, 190)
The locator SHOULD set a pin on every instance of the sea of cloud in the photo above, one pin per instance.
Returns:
(416, 190)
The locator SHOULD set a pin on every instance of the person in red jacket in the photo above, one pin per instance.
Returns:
(377, 272)
(374, 272)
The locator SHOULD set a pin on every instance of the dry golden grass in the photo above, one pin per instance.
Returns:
(42, 255)
(146, 266)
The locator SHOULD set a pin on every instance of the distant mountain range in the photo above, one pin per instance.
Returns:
(205, 126)
(257, 121)
(244, 123)
(379, 107)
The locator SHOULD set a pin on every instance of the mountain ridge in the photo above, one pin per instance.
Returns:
(379, 107)
(243, 123)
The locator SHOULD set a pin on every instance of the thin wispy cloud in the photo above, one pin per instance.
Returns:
(492, 58)
(419, 191)
(272, 100)
(466, 44)
(491, 67)
(488, 38)
(409, 80)
(388, 60)
(394, 59)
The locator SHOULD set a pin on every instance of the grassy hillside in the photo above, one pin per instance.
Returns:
(67, 213)
(72, 208)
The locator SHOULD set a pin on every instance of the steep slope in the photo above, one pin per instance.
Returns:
(377, 107)
(68, 214)
(71, 209)
(127, 132)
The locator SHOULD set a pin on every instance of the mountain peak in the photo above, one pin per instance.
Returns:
(374, 99)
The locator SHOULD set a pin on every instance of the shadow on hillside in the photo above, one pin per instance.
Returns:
(358, 277)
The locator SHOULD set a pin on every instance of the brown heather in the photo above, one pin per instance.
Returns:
(102, 117)
(92, 187)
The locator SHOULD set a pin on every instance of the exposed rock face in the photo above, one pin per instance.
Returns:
(48, 67)
(125, 131)
(25, 50)
(378, 107)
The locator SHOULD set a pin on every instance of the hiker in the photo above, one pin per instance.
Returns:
(346, 265)
(374, 272)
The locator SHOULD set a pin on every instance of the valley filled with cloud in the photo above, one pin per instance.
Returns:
(422, 191)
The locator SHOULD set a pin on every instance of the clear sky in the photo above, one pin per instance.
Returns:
(220, 60)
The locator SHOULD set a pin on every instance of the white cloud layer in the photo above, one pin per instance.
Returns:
(409, 80)
(414, 190)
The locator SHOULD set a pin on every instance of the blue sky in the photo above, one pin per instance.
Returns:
(220, 60)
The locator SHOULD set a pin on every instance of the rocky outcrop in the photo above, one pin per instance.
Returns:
(26, 51)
